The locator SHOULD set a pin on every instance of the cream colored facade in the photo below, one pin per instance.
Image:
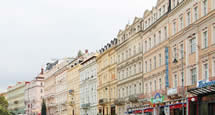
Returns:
(55, 87)
(129, 66)
(106, 68)
(15, 97)
(73, 85)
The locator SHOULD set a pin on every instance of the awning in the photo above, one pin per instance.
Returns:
(203, 91)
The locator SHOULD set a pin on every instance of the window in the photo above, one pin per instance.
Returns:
(135, 69)
(129, 52)
(193, 76)
(205, 3)
(150, 65)
(205, 72)
(175, 81)
(213, 68)
(150, 43)
(134, 50)
(130, 71)
(188, 18)
(160, 59)
(154, 39)
(159, 35)
(174, 27)
(175, 53)
(140, 67)
(140, 87)
(155, 62)
(213, 34)
(145, 66)
(146, 88)
(173, 3)
(160, 83)
(122, 56)
(145, 45)
(193, 45)
(150, 87)
(196, 13)
(160, 12)
(205, 39)
(139, 47)
(182, 50)
(126, 72)
(155, 83)
(165, 32)
(126, 54)
(135, 89)
(181, 22)
(164, 9)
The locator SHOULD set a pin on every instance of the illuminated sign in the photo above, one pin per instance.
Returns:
(157, 98)
(204, 83)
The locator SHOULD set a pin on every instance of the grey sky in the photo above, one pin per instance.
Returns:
(34, 31)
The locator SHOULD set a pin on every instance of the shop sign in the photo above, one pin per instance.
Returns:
(157, 99)
(172, 91)
(167, 67)
(204, 83)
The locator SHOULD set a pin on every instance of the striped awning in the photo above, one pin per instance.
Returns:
(202, 91)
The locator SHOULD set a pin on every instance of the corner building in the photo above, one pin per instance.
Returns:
(106, 70)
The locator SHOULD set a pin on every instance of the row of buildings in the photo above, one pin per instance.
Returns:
(163, 63)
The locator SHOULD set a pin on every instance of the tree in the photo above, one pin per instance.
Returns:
(3, 106)
(80, 53)
(43, 110)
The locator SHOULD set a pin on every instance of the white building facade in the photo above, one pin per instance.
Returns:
(34, 92)
(88, 87)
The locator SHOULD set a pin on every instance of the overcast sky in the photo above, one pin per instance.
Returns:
(33, 32)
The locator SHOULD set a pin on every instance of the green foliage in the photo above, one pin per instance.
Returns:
(3, 106)
(80, 53)
(43, 111)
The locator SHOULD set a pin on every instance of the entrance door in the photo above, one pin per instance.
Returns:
(113, 111)
(211, 109)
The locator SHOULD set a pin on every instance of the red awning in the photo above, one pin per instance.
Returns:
(148, 110)
(176, 106)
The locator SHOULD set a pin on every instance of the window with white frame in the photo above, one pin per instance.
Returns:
(150, 86)
(165, 32)
(196, 13)
(213, 67)
(164, 8)
(181, 22)
(193, 76)
(181, 50)
(146, 90)
(205, 39)
(175, 81)
(134, 50)
(173, 3)
(155, 85)
(160, 83)
(160, 12)
(174, 53)
(160, 59)
(205, 71)
(193, 45)
(150, 65)
(174, 27)
(155, 64)
(140, 87)
(154, 39)
(140, 67)
(159, 36)
(214, 33)
(145, 66)
(188, 18)
(150, 43)
(205, 7)
(129, 52)
(145, 46)
(135, 69)
(130, 71)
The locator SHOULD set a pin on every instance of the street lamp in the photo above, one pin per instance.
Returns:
(182, 77)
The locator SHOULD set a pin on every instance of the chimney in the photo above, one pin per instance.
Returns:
(86, 51)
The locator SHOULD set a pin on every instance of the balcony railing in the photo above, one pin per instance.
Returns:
(103, 101)
(85, 106)
(119, 101)
(133, 98)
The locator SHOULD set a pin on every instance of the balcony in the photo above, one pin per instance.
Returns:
(103, 101)
(85, 106)
(174, 93)
(133, 98)
(119, 101)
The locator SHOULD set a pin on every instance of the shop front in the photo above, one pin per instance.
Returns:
(204, 102)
